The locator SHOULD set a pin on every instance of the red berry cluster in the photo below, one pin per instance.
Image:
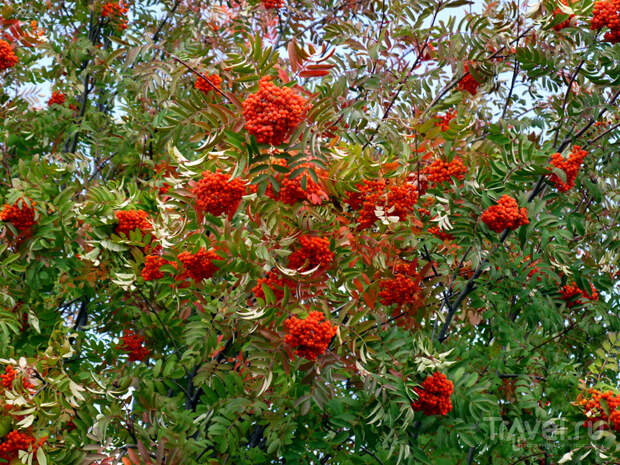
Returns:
(9, 376)
(272, 4)
(200, 265)
(397, 200)
(272, 113)
(152, 265)
(57, 98)
(276, 282)
(468, 82)
(22, 217)
(444, 121)
(606, 13)
(217, 193)
(8, 59)
(309, 337)
(13, 443)
(132, 344)
(434, 395)
(570, 166)
(505, 215)
(116, 11)
(205, 86)
(565, 23)
(291, 190)
(440, 171)
(595, 412)
(403, 288)
(571, 293)
(130, 220)
(440, 233)
(313, 252)
(364, 190)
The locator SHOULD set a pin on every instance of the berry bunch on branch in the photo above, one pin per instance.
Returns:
(310, 336)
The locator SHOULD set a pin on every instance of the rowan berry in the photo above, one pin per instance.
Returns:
(14, 442)
(9, 376)
(8, 59)
(152, 265)
(131, 220)
(200, 265)
(272, 4)
(216, 193)
(444, 120)
(276, 282)
(434, 395)
(311, 336)
(608, 414)
(21, 216)
(606, 13)
(571, 293)
(569, 165)
(132, 344)
(440, 233)
(314, 252)
(204, 86)
(567, 22)
(291, 190)
(399, 290)
(117, 12)
(396, 200)
(440, 171)
(505, 215)
(364, 190)
(272, 113)
(468, 82)
(57, 98)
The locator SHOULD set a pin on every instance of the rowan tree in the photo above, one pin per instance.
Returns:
(334, 232)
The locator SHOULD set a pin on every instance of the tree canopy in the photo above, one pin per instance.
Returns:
(345, 232)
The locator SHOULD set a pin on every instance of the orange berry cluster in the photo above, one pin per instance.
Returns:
(314, 252)
(13, 443)
(116, 11)
(8, 59)
(291, 190)
(597, 413)
(606, 13)
(199, 266)
(309, 337)
(468, 82)
(365, 189)
(444, 121)
(505, 215)
(130, 220)
(132, 344)
(570, 166)
(440, 171)
(9, 376)
(152, 265)
(565, 23)
(217, 193)
(57, 98)
(273, 4)
(434, 395)
(397, 200)
(402, 289)
(272, 113)
(21, 217)
(205, 86)
(440, 233)
(276, 282)
(571, 291)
